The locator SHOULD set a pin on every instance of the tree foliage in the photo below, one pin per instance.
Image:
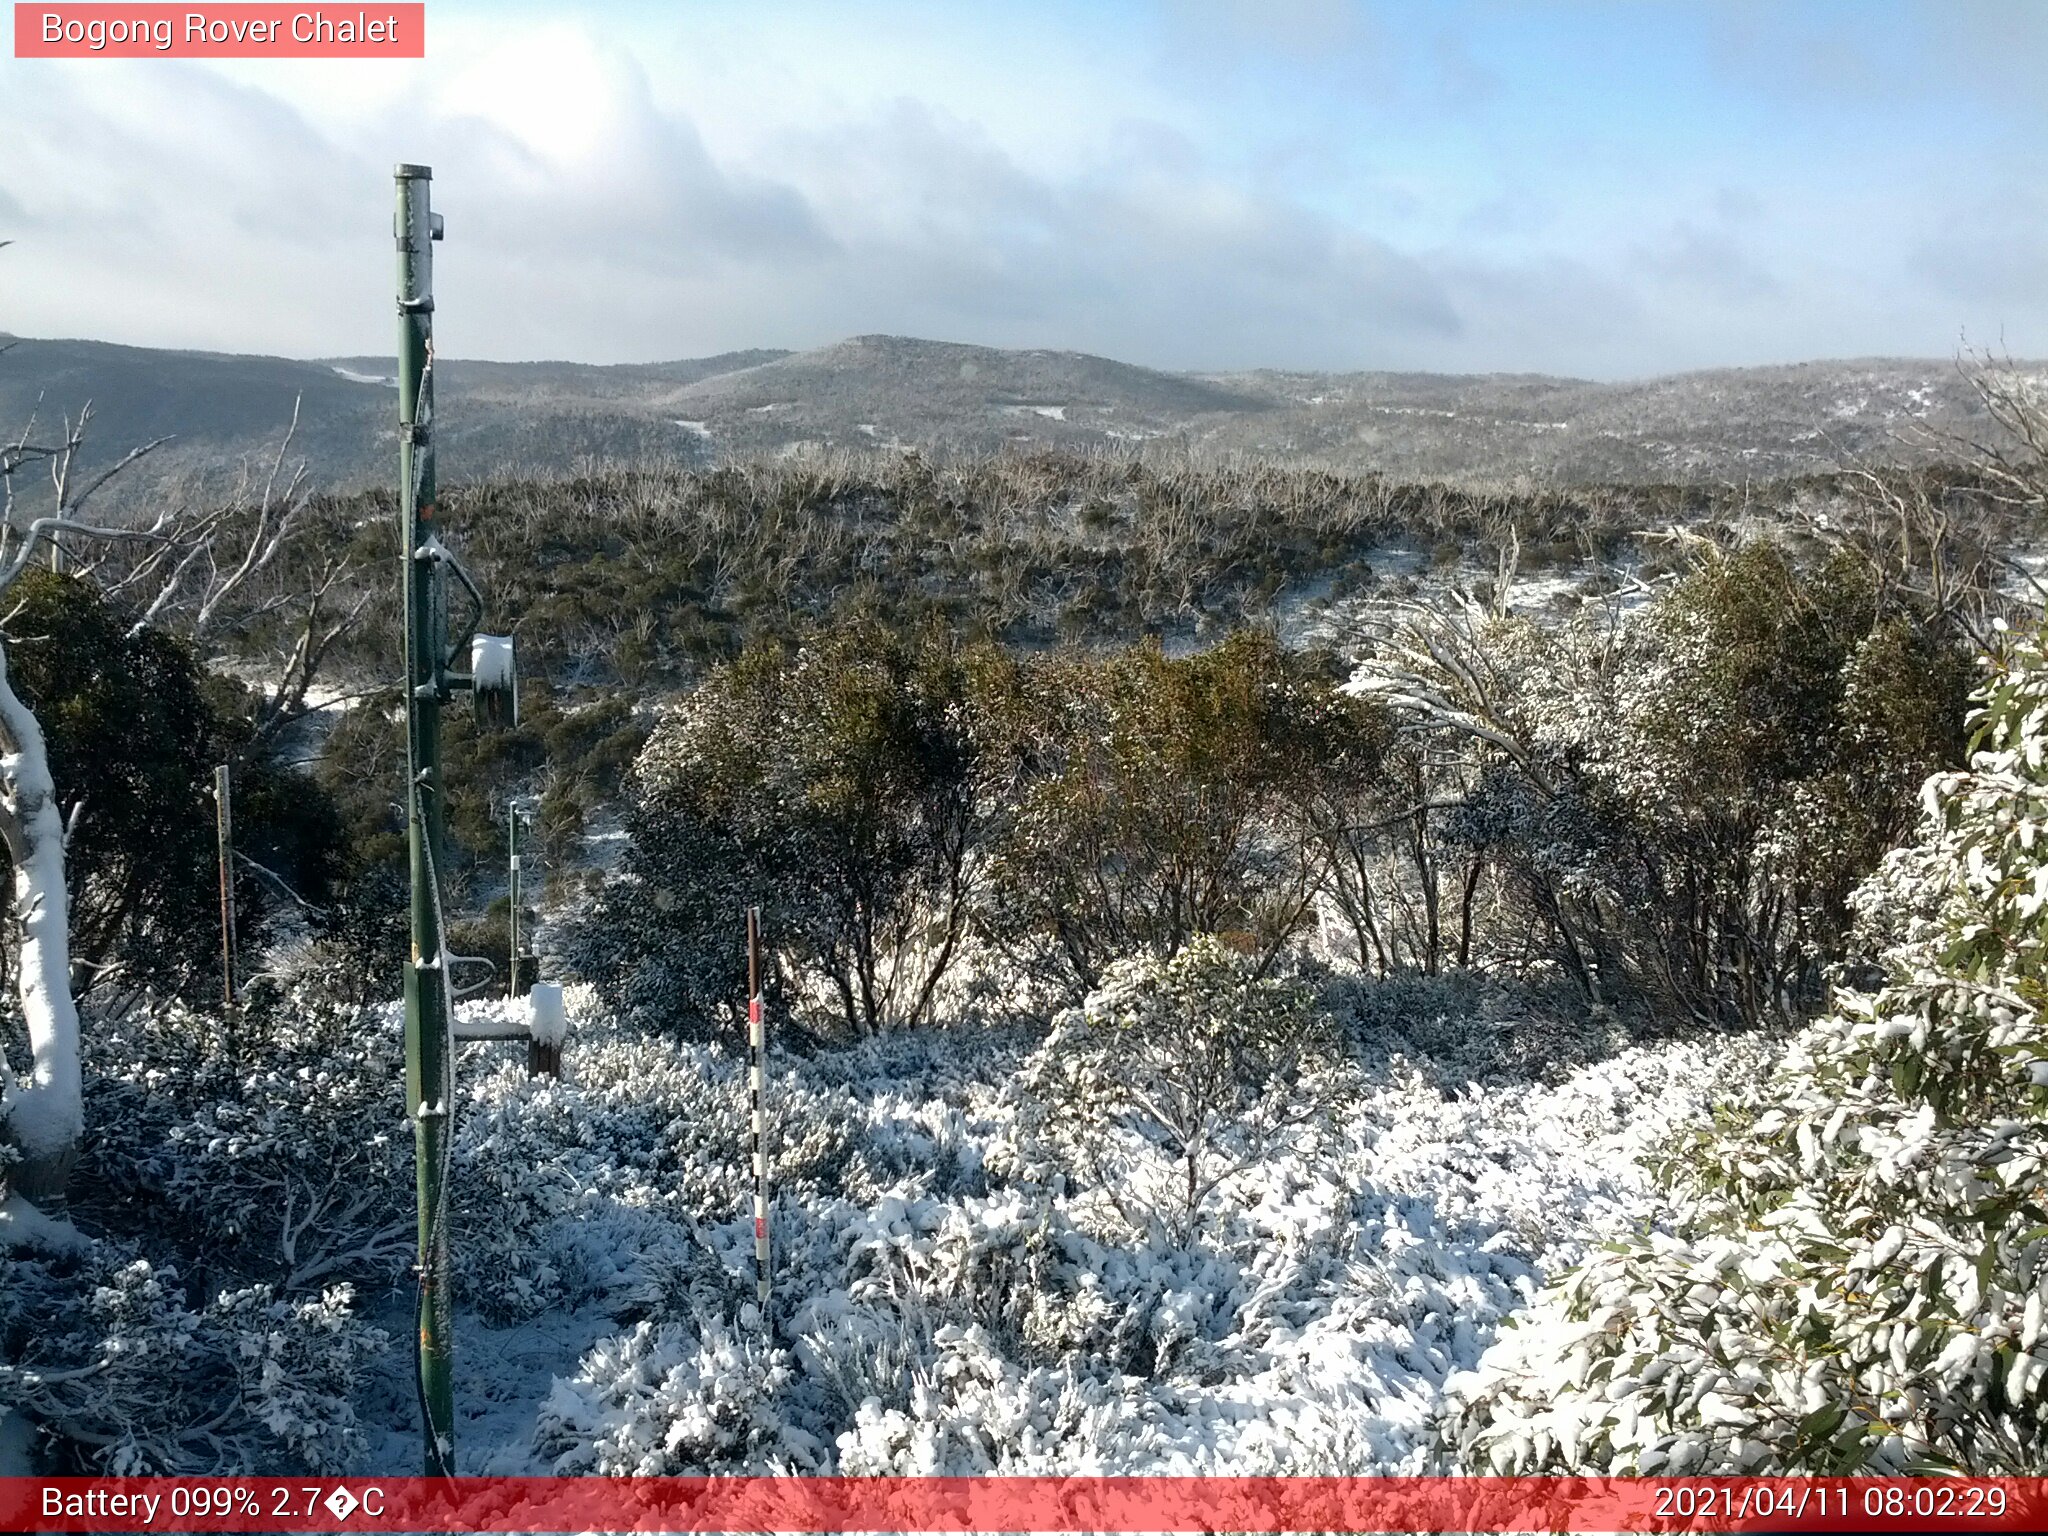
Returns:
(1678, 801)
(134, 730)
(840, 789)
(1159, 798)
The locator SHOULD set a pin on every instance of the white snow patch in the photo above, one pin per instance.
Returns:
(23, 1226)
(364, 378)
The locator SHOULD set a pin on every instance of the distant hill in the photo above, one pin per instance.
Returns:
(879, 391)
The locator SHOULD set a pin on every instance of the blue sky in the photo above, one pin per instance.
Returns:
(1609, 190)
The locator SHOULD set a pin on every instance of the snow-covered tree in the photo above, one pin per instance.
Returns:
(40, 1114)
(1859, 1280)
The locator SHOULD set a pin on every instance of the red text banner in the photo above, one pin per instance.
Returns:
(102, 31)
(1053, 1504)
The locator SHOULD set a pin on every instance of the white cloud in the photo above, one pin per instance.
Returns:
(783, 177)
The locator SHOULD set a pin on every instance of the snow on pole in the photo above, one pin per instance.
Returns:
(512, 901)
(494, 682)
(757, 1050)
(547, 1026)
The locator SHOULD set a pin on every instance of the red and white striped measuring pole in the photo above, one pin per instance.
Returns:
(757, 1048)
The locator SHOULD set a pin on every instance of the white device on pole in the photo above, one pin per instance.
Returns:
(494, 682)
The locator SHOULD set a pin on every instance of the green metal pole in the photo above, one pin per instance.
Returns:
(429, 1086)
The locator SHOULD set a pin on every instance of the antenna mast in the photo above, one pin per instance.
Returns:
(429, 1048)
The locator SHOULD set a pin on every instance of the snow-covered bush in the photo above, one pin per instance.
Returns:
(954, 1301)
(1175, 1077)
(1307, 1327)
(298, 1168)
(1860, 1276)
(1677, 799)
(102, 1348)
(584, 1189)
(669, 1400)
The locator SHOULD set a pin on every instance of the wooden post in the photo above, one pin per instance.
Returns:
(224, 828)
(512, 916)
(757, 1048)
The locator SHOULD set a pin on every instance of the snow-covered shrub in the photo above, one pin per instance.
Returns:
(669, 1400)
(102, 1349)
(297, 1168)
(972, 1411)
(1860, 1275)
(992, 1334)
(1678, 799)
(585, 1188)
(556, 1191)
(1175, 1077)
(860, 1357)
(954, 1321)
(1307, 1329)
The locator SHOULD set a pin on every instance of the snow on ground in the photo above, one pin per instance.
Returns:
(946, 1304)
(16, 1445)
(501, 1372)
(2028, 572)
(1308, 615)
(364, 378)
